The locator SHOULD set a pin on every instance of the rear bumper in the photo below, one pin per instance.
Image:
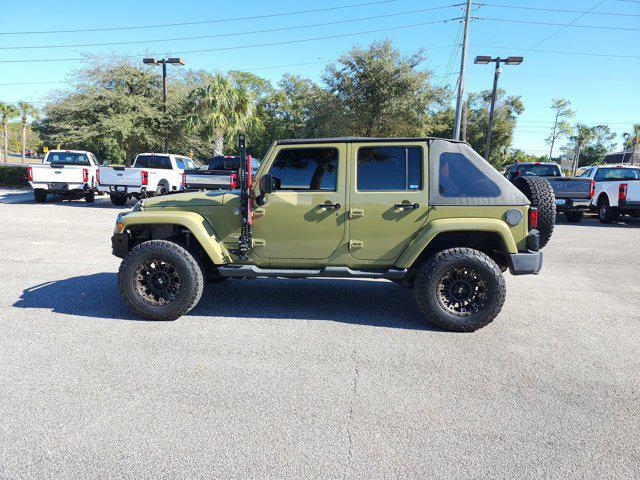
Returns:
(120, 244)
(122, 190)
(59, 187)
(564, 204)
(525, 263)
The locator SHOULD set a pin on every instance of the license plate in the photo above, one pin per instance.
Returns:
(560, 201)
(59, 186)
(121, 189)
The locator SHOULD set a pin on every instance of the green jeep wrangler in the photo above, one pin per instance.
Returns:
(427, 213)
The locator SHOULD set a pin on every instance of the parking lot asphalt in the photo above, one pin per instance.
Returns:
(311, 378)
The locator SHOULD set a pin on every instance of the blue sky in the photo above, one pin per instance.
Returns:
(602, 86)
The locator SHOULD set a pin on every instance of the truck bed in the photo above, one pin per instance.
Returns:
(120, 176)
(208, 179)
(58, 175)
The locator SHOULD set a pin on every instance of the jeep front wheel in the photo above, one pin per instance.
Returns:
(160, 280)
(460, 289)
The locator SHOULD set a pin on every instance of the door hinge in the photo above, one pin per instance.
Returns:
(355, 244)
(356, 212)
(259, 212)
(259, 242)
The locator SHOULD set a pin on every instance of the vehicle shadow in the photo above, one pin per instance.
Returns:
(356, 302)
(594, 222)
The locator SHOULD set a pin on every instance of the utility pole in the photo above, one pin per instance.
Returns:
(463, 128)
(463, 60)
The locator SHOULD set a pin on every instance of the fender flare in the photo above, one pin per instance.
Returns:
(430, 231)
(196, 224)
(603, 194)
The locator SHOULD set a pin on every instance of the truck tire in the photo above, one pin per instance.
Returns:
(606, 213)
(160, 280)
(460, 289)
(90, 197)
(574, 216)
(118, 200)
(540, 194)
(40, 195)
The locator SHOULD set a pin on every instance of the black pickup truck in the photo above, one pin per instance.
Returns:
(573, 194)
(220, 174)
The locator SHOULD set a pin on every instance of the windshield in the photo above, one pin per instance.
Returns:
(68, 158)
(605, 174)
(539, 170)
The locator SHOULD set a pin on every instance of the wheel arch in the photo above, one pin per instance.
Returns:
(159, 225)
(602, 196)
(491, 236)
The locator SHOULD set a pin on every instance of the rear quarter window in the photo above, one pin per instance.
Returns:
(459, 177)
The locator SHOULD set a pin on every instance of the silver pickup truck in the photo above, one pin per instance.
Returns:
(573, 194)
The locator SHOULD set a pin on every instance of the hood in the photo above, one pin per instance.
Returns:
(215, 198)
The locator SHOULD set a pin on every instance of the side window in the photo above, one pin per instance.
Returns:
(306, 169)
(586, 173)
(389, 168)
(459, 177)
(179, 163)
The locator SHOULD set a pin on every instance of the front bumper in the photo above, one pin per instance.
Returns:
(120, 244)
(525, 263)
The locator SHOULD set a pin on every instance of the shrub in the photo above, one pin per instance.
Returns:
(13, 176)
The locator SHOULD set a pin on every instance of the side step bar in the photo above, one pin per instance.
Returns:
(251, 271)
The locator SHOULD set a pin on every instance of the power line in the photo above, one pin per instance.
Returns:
(562, 28)
(201, 22)
(561, 10)
(218, 35)
(531, 22)
(240, 47)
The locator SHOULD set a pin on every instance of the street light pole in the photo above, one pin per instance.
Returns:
(484, 60)
(496, 77)
(163, 62)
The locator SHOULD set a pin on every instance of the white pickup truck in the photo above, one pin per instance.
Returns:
(617, 191)
(151, 174)
(70, 173)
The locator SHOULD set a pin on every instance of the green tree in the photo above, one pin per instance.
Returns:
(7, 112)
(589, 145)
(630, 141)
(561, 127)
(505, 117)
(114, 110)
(380, 92)
(218, 110)
(25, 111)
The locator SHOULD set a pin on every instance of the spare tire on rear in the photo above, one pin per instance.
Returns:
(540, 193)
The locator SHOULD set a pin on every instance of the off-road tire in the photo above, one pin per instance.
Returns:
(540, 194)
(432, 271)
(574, 216)
(40, 195)
(90, 197)
(192, 282)
(606, 213)
(118, 200)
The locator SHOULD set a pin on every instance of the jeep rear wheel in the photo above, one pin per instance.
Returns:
(460, 289)
(160, 280)
(540, 194)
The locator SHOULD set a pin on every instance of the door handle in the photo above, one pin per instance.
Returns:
(407, 206)
(335, 206)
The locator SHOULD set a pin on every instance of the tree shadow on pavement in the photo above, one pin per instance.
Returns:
(358, 302)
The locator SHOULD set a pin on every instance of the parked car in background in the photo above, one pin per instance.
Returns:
(151, 174)
(220, 174)
(617, 191)
(70, 173)
(573, 194)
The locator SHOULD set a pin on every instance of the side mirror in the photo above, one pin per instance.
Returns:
(266, 184)
(105, 163)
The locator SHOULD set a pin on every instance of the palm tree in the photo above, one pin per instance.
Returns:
(583, 134)
(26, 110)
(7, 112)
(219, 109)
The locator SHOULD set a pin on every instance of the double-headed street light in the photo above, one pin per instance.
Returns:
(484, 60)
(163, 62)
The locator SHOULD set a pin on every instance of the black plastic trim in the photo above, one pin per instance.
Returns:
(252, 271)
(525, 263)
(120, 244)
